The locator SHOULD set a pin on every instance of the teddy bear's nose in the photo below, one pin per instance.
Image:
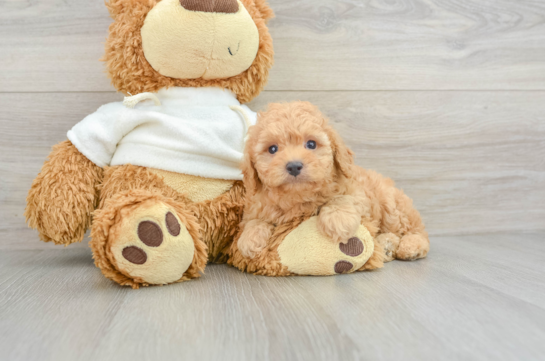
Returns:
(211, 6)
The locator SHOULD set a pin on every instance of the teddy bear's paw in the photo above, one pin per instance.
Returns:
(412, 247)
(151, 245)
(306, 251)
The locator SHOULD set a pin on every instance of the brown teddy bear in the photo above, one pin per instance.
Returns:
(161, 168)
(157, 177)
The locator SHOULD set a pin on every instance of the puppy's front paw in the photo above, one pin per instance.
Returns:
(339, 222)
(254, 238)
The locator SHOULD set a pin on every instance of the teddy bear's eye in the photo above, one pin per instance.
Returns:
(273, 149)
(311, 144)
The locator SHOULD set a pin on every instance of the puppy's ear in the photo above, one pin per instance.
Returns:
(251, 180)
(342, 155)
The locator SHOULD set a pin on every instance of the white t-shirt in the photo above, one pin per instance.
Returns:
(194, 131)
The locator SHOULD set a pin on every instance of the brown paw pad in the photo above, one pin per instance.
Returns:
(173, 226)
(343, 266)
(354, 247)
(150, 234)
(135, 255)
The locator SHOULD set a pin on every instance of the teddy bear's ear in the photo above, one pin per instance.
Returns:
(115, 7)
(265, 10)
(121, 7)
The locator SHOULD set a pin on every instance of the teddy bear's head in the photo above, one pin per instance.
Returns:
(154, 44)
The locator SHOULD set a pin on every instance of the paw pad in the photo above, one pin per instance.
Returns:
(173, 226)
(150, 234)
(343, 267)
(354, 247)
(135, 255)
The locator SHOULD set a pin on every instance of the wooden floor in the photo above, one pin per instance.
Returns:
(474, 298)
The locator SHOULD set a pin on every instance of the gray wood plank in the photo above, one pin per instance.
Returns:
(34, 123)
(473, 162)
(473, 298)
(54, 45)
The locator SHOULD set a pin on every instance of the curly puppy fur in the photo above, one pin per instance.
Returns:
(330, 184)
(131, 73)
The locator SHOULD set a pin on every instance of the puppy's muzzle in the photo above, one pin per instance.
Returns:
(294, 168)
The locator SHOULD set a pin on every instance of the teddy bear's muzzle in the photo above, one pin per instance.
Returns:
(211, 6)
(200, 39)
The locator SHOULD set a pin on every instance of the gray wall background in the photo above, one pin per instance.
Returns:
(447, 97)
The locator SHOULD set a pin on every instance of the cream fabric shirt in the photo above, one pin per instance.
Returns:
(193, 131)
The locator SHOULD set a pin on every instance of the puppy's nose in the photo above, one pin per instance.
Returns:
(211, 6)
(294, 168)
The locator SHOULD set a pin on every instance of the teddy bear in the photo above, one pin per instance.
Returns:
(157, 176)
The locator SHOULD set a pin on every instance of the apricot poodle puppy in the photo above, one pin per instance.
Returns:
(295, 164)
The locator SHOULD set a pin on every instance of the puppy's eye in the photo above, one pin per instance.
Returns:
(273, 149)
(311, 144)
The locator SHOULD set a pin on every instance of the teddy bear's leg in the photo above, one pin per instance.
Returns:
(145, 233)
(219, 219)
(300, 248)
(218, 206)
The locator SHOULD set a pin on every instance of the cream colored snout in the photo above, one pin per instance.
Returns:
(185, 44)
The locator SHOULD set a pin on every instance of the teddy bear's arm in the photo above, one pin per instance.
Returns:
(63, 195)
